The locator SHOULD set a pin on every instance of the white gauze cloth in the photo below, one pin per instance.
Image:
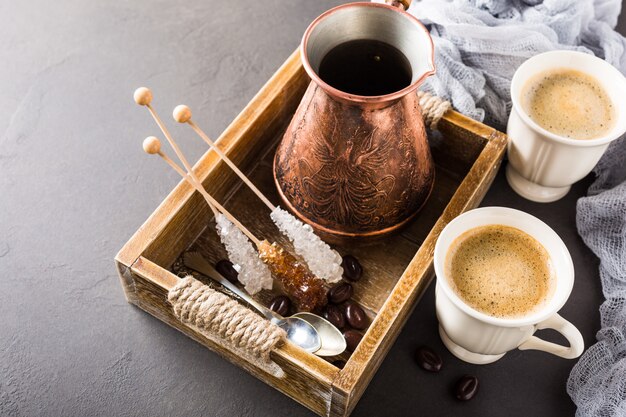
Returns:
(597, 384)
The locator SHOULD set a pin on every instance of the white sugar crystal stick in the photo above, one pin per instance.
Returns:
(321, 259)
(254, 274)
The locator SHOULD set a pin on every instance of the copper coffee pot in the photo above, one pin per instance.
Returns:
(356, 166)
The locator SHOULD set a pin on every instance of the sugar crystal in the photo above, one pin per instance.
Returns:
(253, 273)
(323, 261)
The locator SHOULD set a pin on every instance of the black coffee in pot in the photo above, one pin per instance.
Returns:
(366, 67)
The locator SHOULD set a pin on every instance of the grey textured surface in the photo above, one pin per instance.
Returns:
(74, 185)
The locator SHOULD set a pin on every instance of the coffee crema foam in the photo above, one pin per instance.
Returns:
(500, 271)
(568, 103)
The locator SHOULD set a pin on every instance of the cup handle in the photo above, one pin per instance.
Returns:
(567, 329)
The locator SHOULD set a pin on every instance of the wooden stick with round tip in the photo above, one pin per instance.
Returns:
(182, 114)
(152, 145)
(143, 97)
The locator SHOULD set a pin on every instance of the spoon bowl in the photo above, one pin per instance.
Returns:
(333, 342)
(301, 333)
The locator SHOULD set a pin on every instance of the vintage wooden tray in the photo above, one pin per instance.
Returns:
(397, 270)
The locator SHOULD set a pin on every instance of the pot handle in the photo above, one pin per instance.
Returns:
(402, 4)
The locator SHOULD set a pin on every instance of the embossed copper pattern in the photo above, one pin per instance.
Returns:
(356, 167)
(349, 170)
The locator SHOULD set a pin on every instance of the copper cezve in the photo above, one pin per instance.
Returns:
(357, 166)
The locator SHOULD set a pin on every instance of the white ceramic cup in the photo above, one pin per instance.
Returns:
(478, 338)
(542, 165)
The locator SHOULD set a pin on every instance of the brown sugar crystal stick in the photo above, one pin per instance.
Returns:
(321, 259)
(298, 281)
(307, 290)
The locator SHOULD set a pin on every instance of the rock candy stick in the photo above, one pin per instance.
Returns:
(306, 289)
(254, 274)
(321, 259)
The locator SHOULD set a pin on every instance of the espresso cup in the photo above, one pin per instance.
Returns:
(479, 338)
(543, 165)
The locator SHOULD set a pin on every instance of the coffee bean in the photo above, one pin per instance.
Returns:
(226, 269)
(340, 293)
(352, 269)
(466, 388)
(353, 338)
(428, 359)
(281, 305)
(334, 314)
(355, 315)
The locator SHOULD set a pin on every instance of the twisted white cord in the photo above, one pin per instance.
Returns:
(433, 108)
(198, 305)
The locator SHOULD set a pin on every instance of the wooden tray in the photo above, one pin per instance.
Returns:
(397, 270)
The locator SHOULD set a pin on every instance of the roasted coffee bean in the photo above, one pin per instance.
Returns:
(428, 359)
(281, 305)
(334, 314)
(352, 269)
(339, 363)
(226, 269)
(355, 315)
(466, 388)
(353, 338)
(340, 293)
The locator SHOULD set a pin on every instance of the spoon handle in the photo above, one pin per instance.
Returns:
(198, 263)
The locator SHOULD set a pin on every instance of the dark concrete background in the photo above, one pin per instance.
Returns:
(75, 184)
